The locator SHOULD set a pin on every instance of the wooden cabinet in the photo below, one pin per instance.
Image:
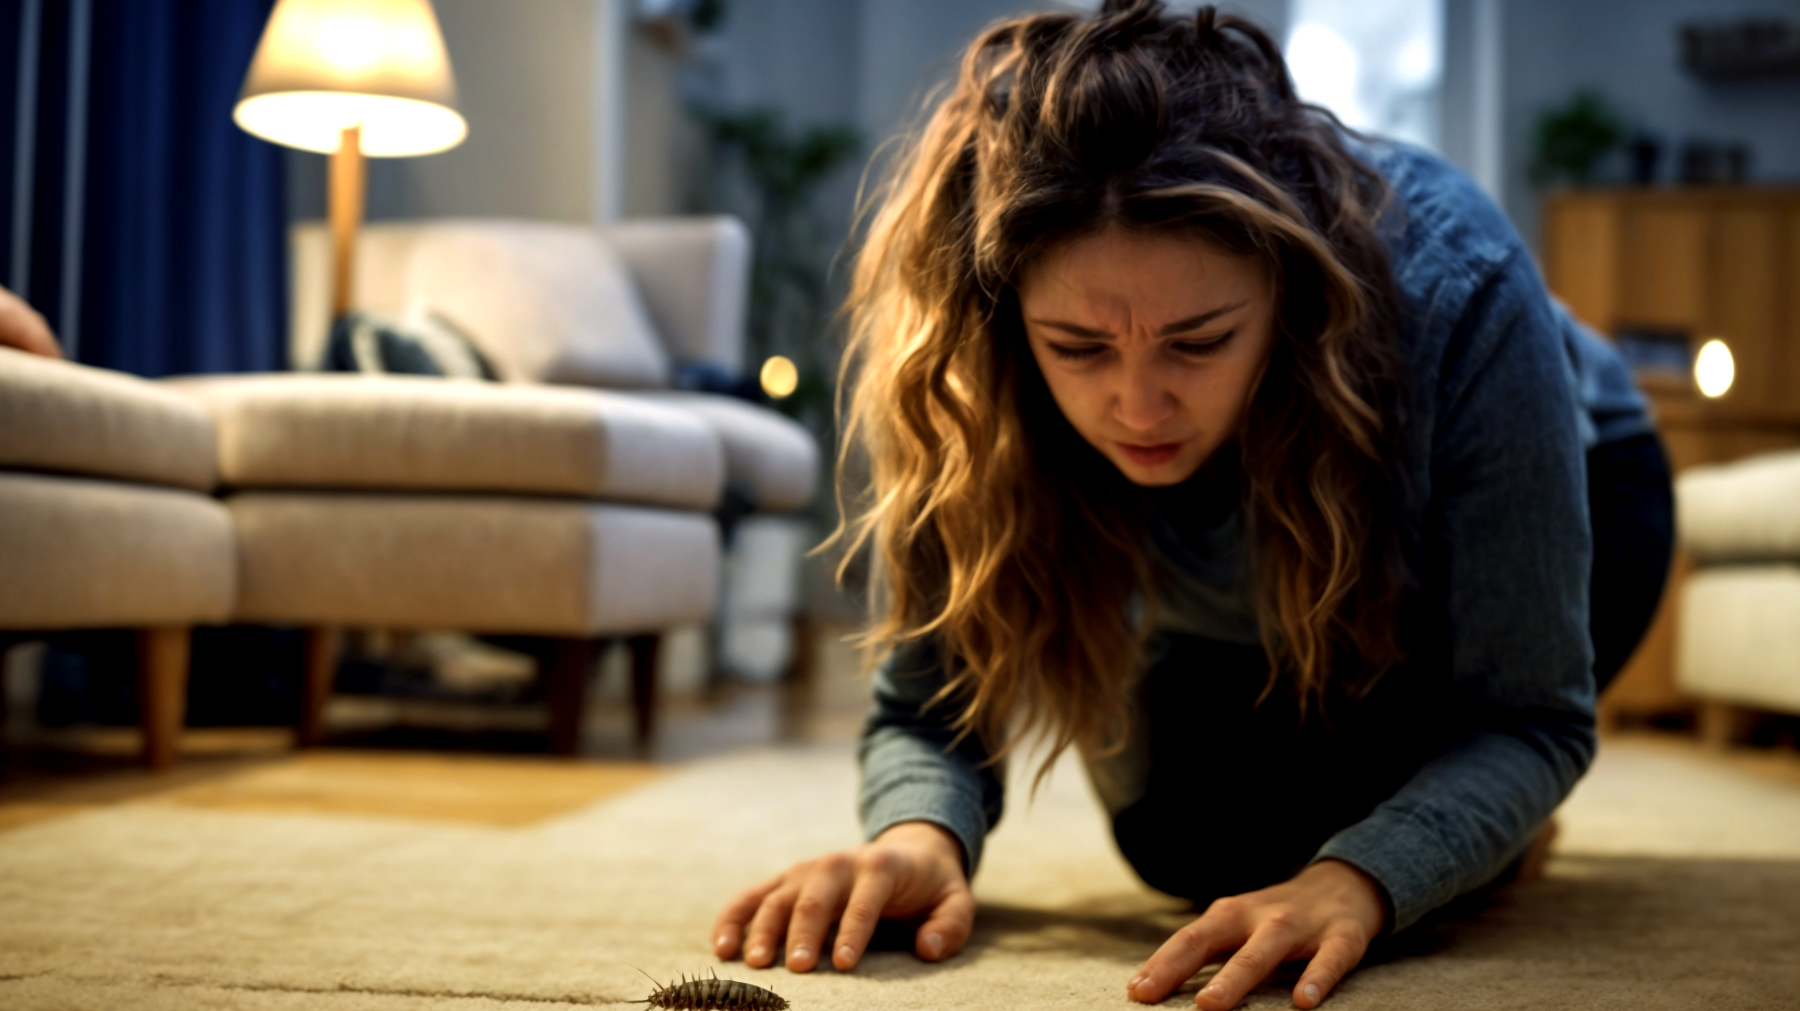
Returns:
(1683, 266)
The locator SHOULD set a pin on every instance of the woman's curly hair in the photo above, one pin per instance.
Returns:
(995, 528)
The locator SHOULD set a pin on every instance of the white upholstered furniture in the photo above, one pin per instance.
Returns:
(627, 307)
(577, 512)
(416, 503)
(1738, 644)
(105, 521)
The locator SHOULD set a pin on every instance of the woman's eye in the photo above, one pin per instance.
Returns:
(1210, 346)
(1076, 352)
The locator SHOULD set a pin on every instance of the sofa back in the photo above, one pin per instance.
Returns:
(613, 305)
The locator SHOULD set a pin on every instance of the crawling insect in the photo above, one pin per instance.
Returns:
(713, 994)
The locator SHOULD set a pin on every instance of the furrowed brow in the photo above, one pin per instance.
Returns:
(1196, 322)
(1179, 326)
(1073, 330)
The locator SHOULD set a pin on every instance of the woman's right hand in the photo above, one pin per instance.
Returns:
(21, 327)
(912, 870)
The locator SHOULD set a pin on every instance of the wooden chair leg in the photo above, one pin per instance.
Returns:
(800, 690)
(565, 690)
(644, 652)
(1718, 725)
(162, 691)
(324, 645)
(7, 641)
(1606, 718)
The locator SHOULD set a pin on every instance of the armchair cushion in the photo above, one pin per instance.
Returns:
(482, 563)
(694, 274)
(1740, 636)
(83, 553)
(1743, 511)
(60, 416)
(773, 456)
(427, 434)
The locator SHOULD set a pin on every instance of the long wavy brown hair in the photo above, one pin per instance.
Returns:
(994, 527)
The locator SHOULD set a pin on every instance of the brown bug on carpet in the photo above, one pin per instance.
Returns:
(713, 994)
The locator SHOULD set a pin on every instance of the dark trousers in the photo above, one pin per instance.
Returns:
(1240, 796)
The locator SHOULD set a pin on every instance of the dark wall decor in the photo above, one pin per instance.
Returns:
(1733, 50)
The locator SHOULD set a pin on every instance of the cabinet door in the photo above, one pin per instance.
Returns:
(1744, 301)
(1581, 253)
(1788, 283)
(1662, 263)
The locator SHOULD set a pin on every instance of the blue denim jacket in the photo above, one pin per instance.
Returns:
(1505, 392)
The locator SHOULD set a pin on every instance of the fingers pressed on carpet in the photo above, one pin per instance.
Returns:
(1186, 952)
(868, 897)
(728, 929)
(820, 901)
(947, 929)
(1336, 957)
(768, 926)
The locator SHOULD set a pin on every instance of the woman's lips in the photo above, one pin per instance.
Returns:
(1150, 456)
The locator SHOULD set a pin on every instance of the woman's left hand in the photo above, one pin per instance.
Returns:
(1328, 913)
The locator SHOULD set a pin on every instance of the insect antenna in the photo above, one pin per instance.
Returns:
(647, 976)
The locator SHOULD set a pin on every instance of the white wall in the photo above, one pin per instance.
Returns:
(526, 79)
(659, 147)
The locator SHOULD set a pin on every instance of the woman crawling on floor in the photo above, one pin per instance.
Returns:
(1249, 457)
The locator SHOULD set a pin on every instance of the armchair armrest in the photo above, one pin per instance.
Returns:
(694, 275)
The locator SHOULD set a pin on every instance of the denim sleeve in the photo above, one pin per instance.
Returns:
(1507, 536)
(909, 770)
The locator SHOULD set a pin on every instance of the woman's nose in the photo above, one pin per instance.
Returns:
(1144, 400)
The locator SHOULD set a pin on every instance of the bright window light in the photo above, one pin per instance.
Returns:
(1325, 70)
(1713, 368)
(1377, 64)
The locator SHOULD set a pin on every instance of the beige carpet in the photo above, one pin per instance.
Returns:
(165, 904)
(267, 775)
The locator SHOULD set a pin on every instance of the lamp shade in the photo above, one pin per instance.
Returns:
(324, 66)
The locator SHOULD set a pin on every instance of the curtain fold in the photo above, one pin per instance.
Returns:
(180, 232)
(186, 239)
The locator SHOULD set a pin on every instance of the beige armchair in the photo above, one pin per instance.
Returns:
(571, 501)
(626, 307)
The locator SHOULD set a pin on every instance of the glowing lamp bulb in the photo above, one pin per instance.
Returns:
(1714, 369)
(779, 377)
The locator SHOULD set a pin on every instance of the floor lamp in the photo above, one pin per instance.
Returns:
(351, 78)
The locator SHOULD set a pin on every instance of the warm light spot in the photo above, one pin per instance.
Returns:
(315, 121)
(350, 43)
(779, 377)
(1713, 368)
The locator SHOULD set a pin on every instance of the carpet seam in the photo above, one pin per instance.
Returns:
(434, 994)
(345, 988)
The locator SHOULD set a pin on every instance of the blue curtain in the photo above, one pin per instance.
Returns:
(182, 253)
(185, 252)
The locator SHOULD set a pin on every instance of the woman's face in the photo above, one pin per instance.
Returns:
(1151, 344)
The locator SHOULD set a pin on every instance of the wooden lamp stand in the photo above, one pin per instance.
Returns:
(345, 201)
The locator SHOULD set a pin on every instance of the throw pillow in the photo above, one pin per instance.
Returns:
(428, 345)
(551, 302)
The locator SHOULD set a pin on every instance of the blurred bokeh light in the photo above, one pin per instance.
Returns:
(1714, 368)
